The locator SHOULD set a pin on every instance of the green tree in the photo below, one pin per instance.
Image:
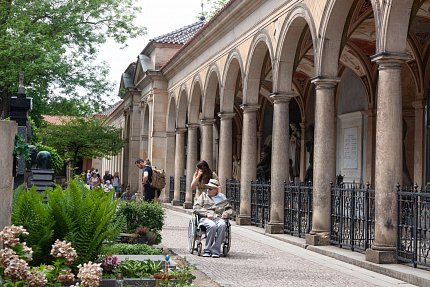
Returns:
(55, 43)
(83, 138)
(215, 7)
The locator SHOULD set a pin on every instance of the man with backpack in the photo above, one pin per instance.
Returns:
(145, 165)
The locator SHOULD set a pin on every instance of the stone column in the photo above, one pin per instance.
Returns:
(169, 164)
(418, 142)
(280, 160)
(303, 164)
(388, 158)
(192, 159)
(179, 163)
(370, 148)
(324, 164)
(248, 162)
(225, 148)
(8, 130)
(207, 141)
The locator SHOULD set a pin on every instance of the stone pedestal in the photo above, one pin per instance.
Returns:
(275, 228)
(8, 130)
(319, 239)
(42, 179)
(176, 202)
(243, 220)
(188, 205)
(381, 256)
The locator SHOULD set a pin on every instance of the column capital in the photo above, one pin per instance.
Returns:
(322, 82)
(226, 116)
(282, 97)
(192, 126)
(207, 122)
(249, 108)
(390, 57)
(180, 131)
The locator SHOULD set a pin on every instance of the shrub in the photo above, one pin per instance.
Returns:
(30, 212)
(81, 216)
(141, 213)
(128, 249)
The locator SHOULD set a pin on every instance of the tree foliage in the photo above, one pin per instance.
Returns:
(55, 43)
(215, 7)
(83, 137)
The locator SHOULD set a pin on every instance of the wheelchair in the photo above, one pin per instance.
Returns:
(197, 234)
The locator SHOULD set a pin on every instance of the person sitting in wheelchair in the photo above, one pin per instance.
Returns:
(213, 210)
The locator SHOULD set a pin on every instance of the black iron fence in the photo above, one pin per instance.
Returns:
(182, 188)
(232, 192)
(297, 208)
(413, 244)
(172, 188)
(352, 216)
(260, 203)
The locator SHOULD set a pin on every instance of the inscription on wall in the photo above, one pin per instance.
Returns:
(350, 148)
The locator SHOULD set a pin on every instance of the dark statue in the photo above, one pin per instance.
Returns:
(310, 149)
(263, 167)
(44, 160)
(33, 154)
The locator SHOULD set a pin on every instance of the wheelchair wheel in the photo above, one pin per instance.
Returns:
(192, 233)
(225, 249)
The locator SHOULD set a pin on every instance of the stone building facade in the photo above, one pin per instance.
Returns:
(348, 78)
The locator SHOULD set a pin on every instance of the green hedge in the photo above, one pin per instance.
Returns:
(141, 213)
(129, 249)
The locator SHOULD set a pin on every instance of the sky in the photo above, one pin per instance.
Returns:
(159, 17)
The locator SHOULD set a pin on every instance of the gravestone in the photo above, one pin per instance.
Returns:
(43, 174)
(8, 130)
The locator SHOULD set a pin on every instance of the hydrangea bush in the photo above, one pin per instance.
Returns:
(15, 271)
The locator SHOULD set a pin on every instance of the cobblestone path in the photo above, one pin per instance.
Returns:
(258, 260)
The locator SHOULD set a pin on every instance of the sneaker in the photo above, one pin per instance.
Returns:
(206, 254)
(215, 256)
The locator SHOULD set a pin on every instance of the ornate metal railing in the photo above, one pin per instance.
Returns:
(352, 216)
(413, 244)
(232, 192)
(260, 203)
(172, 188)
(182, 188)
(297, 208)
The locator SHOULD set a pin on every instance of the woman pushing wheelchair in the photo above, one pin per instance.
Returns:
(213, 210)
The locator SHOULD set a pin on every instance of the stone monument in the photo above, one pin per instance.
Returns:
(19, 108)
(43, 174)
(8, 130)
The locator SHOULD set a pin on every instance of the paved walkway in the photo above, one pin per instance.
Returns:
(259, 260)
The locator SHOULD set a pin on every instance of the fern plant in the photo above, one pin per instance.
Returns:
(30, 212)
(78, 215)
(84, 218)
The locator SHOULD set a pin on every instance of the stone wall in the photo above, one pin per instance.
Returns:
(8, 130)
